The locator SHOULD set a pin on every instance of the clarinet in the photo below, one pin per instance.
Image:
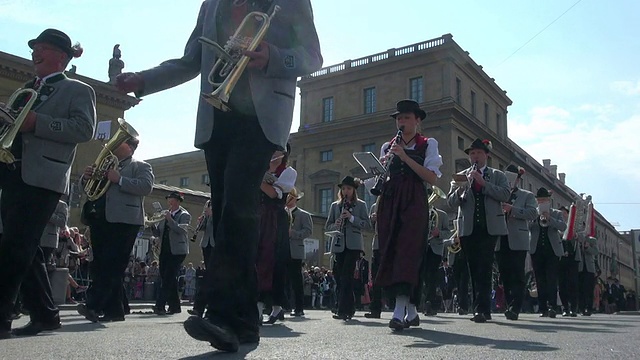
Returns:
(376, 190)
(346, 205)
(474, 167)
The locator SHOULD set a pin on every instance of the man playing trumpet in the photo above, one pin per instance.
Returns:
(511, 249)
(546, 250)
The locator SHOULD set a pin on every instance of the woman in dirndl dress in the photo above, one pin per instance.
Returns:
(403, 213)
(273, 246)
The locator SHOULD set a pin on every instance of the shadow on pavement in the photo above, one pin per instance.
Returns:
(278, 331)
(242, 353)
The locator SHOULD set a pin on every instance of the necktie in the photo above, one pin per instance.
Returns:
(477, 187)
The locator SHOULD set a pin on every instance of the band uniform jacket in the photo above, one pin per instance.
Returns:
(65, 116)
(178, 231)
(556, 227)
(496, 191)
(588, 257)
(294, 51)
(207, 233)
(58, 220)
(354, 240)
(301, 229)
(374, 242)
(436, 243)
(524, 210)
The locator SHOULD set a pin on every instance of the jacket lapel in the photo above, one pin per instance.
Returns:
(49, 89)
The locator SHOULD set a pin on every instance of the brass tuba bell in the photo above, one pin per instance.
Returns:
(98, 184)
(11, 121)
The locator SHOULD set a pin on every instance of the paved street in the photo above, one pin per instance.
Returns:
(318, 336)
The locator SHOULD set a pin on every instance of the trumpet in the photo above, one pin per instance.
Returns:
(376, 190)
(542, 208)
(474, 167)
(231, 61)
(11, 121)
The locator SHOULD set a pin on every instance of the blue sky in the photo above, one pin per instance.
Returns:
(575, 87)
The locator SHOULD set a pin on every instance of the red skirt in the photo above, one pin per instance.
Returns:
(274, 242)
(402, 221)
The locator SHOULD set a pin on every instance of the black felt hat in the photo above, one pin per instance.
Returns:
(175, 195)
(543, 193)
(58, 39)
(409, 106)
(481, 145)
(351, 181)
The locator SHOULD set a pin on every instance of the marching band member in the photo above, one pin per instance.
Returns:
(238, 145)
(568, 272)
(433, 259)
(587, 274)
(114, 220)
(511, 249)
(172, 232)
(480, 221)
(207, 242)
(49, 239)
(63, 115)
(460, 267)
(301, 228)
(349, 216)
(546, 250)
(375, 307)
(403, 213)
(273, 247)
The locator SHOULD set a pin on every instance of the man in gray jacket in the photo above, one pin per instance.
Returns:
(63, 115)
(49, 239)
(115, 220)
(546, 250)
(301, 228)
(238, 144)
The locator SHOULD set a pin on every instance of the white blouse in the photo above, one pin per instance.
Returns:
(432, 158)
(286, 181)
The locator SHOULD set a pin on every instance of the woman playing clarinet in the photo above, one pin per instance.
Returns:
(403, 212)
(273, 246)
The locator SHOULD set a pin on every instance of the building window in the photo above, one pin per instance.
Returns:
(205, 179)
(326, 155)
(460, 143)
(415, 89)
(369, 148)
(369, 100)
(163, 182)
(458, 91)
(498, 124)
(326, 198)
(184, 181)
(486, 113)
(473, 104)
(327, 109)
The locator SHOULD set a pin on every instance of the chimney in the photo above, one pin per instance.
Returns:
(554, 170)
(546, 163)
(562, 177)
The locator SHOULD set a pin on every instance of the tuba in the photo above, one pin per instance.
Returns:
(11, 121)
(98, 184)
(231, 61)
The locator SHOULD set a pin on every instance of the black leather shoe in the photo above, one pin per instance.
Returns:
(194, 312)
(218, 335)
(5, 330)
(5, 334)
(107, 318)
(478, 318)
(544, 314)
(511, 315)
(249, 337)
(87, 313)
(552, 314)
(565, 314)
(297, 313)
(487, 316)
(281, 315)
(573, 314)
(372, 315)
(272, 319)
(159, 311)
(415, 322)
(36, 327)
(396, 324)
(341, 317)
(586, 313)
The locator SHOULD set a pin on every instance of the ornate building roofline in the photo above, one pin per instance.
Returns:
(20, 69)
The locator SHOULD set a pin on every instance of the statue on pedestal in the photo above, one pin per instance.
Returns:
(115, 64)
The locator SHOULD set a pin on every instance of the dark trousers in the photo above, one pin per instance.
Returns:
(237, 158)
(376, 291)
(169, 269)
(345, 267)
(568, 283)
(431, 265)
(511, 267)
(545, 266)
(295, 279)
(479, 247)
(25, 211)
(111, 244)
(201, 297)
(461, 278)
(586, 284)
